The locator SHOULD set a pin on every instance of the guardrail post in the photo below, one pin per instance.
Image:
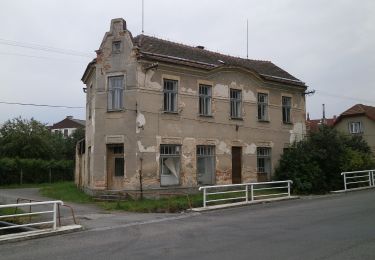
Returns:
(252, 192)
(344, 181)
(369, 179)
(204, 197)
(288, 189)
(54, 215)
(373, 180)
(247, 193)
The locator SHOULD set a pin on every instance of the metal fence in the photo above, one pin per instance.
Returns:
(245, 192)
(16, 214)
(358, 179)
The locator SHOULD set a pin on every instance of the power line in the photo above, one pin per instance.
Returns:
(37, 105)
(44, 48)
(344, 97)
(38, 57)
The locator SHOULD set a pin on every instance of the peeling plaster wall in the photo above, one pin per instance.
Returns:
(144, 125)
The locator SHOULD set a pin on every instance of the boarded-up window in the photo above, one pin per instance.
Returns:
(170, 164)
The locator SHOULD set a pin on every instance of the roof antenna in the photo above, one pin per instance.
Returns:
(143, 17)
(247, 39)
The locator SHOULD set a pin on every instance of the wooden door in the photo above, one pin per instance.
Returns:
(236, 164)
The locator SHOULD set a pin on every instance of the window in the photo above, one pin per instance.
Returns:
(115, 93)
(262, 107)
(264, 160)
(119, 166)
(170, 95)
(205, 97)
(235, 103)
(205, 164)
(355, 127)
(56, 131)
(66, 132)
(116, 157)
(286, 104)
(170, 161)
(116, 47)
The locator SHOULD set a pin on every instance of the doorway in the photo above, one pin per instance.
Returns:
(236, 164)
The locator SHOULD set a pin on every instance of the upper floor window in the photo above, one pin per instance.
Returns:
(116, 47)
(287, 105)
(235, 103)
(115, 93)
(170, 95)
(205, 97)
(262, 107)
(355, 127)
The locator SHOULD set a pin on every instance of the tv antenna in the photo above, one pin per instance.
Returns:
(143, 16)
(247, 38)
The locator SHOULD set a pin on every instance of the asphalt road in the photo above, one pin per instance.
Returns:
(329, 227)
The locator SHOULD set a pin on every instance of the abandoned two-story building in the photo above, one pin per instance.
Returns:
(180, 116)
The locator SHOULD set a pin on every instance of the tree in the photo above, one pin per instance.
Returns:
(25, 139)
(315, 164)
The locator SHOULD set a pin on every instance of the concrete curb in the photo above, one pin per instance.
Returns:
(38, 234)
(242, 204)
(354, 189)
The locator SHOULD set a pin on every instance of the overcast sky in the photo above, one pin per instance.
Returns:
(327, 44)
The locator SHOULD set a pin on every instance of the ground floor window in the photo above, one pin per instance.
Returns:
(116, 160)
(264, 160)
(170, 164)
(205, 164)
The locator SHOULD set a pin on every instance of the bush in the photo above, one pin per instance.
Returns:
(314, 165)
(35, 171)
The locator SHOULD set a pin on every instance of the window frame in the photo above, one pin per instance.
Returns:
(205, 100)
(169, 95)
(170, 151)
(116, 50)
(208, 153)
(115, 91)
(262, 107)
(355, 130)
(235, 103)
(286, 109)
(264, 155)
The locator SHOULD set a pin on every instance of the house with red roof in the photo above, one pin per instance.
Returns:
(67, 126)
(358, 120)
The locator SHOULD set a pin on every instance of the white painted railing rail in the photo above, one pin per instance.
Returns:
(53, 211)
(246, 191)
(356, 177)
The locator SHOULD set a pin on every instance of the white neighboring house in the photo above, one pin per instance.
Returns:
(67, 126)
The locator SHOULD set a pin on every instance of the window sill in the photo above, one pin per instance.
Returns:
(287, 123)
(236, 118)
(209, 116)
(115, 110)
(170, 112)
(263, 121)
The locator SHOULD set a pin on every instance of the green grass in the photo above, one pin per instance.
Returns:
(16, 220)
(65, 191)
(68, 192)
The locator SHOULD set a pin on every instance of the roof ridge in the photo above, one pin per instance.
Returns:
(198, 49)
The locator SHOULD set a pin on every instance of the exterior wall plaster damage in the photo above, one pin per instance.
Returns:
(143, 112)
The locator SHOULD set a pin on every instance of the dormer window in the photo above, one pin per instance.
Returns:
(116, 47)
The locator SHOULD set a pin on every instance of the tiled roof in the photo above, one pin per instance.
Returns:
(161, 50)
(69, 122)
(358, 110)
(313, 124)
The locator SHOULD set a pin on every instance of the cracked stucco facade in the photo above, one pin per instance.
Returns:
(142, 125)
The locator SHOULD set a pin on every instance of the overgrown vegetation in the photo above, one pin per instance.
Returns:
(314, 165)
(65, 191)
(29, 152)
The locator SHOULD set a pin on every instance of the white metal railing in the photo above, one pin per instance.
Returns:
(357, 177)
(247, 191)
(53, 211)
